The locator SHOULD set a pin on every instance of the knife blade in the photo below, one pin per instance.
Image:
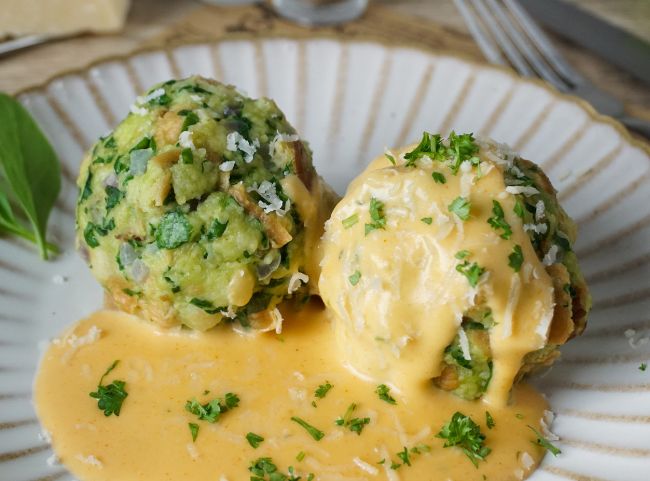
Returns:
(612, 43)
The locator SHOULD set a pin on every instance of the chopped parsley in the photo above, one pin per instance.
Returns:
(190, 119)
(461, 207)
(545, 443)
(516, 258)
(207, 306)
(430, 146)
(472, 271)
(489, 420)
(498, 221)
(383, 392)
(390, 158)
(113, 197)
(212, 410)
(519, 209)
(464, 433)
(216, 230)
(354, 278)
(462, 254)
(439, 178)
(173, 231)
(187, 156)
(350, 221)
(355, 425)
(315, 433)
(110, 397)
(376, 215)
(427, 220)
(322, 390)
(300, 456)
(194, 430)
(264, 469)
(462, 148)
(254, 439)
(643, 366)
(404, 456)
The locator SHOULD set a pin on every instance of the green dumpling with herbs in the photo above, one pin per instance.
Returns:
(200, 206)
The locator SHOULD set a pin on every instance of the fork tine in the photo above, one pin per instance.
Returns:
(525, 46)
(543, 44)
(485, 43)
(512, 54)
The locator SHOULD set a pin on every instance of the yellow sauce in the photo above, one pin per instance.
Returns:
(275, 378)
(394, 324)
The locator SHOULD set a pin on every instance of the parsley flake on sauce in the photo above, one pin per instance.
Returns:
(322, 390)
(427, 220)
(430, 146)
(498, 221)
(545, 443)
(516, 258)
(110, 397)
(489, 420)
(461, 207)
(376, 215)
(439, 178)
(315, 433)
(464, 433)
(254, 439)
(350, 221)
(472, 271)
(212, 410)
(462, 148)
(643, 366)
(354, 278)
(404, 456)
(355, 425)
(194, 430)
(383, 392)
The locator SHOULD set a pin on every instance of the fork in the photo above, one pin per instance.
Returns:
(508, 35)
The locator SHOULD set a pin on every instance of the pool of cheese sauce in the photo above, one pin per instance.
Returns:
(275, 377)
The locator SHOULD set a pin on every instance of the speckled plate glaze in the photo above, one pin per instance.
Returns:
(350, 100)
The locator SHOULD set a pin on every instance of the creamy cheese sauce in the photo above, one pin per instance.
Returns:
(394, 324)
(275, 377)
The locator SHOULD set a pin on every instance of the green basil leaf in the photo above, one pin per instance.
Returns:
(29, 167)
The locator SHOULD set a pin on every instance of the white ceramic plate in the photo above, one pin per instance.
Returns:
(350, 100)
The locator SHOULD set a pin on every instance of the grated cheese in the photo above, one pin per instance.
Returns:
(296, 280)
(185, 140)
(227, 166)
(271, 201)
(281, 138)
(464, 344)
(364, 466)
(536, 228)
(551, 256)
(527, 461)
(522, 189)
(236, 142)
(137, 110)
(540, 210)
(90, 460)
(192, 451)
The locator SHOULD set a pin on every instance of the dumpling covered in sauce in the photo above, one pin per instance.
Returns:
(200, 205)
(452, 262)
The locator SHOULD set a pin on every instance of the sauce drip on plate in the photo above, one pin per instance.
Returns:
(275, 378)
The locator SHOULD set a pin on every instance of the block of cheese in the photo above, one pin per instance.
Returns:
(61, 17)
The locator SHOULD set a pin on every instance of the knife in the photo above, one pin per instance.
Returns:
(614, 44)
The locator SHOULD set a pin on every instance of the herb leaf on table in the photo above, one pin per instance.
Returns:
(30, 175)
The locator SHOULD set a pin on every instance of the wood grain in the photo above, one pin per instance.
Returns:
(432, 24)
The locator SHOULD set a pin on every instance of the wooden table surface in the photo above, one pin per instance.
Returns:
(432, 24)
